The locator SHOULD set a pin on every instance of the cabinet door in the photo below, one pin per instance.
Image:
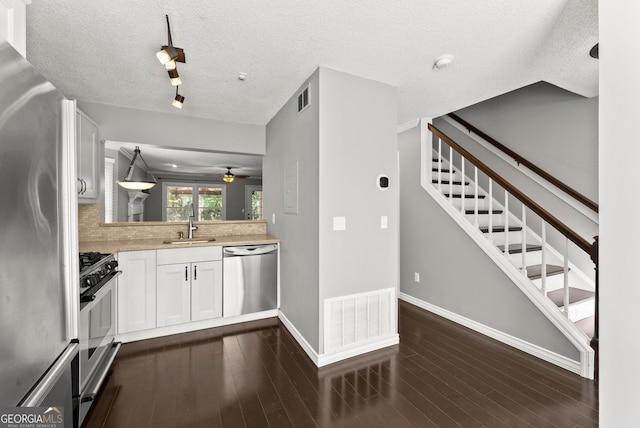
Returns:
(206, 290)
(174, 294)
(136, 291)
(87, 157)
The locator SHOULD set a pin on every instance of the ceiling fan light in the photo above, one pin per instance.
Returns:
(228, 178)
(167, 54)
(174, 77)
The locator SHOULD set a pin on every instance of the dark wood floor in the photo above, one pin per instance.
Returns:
(256, 375)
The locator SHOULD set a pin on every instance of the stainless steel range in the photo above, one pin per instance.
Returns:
(97, 324)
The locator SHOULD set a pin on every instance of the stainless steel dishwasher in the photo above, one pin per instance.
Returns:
(250, 279)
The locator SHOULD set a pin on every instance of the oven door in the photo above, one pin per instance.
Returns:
(97, 331)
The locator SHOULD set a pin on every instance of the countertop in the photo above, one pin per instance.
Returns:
(155, 244)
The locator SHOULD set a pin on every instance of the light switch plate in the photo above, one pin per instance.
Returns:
(384, 222)
(339, 223)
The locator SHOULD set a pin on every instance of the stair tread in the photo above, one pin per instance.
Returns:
(455, 182)
(575, 295)
(483, 212)
(466, 196)
(535, 271)
(498, 229)
(517, 248)
(587, 325)
(442, 170)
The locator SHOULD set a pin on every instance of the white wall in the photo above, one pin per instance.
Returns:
(166, 130)
(619, 225)
(455, 274)
(13, 24)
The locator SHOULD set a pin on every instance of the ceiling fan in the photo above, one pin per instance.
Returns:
(228, 177)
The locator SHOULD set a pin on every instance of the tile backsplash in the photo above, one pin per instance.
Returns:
(91, 229)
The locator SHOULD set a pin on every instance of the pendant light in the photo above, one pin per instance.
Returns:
(168, 55)
(129, 184)
(178, 100)
(228, 177)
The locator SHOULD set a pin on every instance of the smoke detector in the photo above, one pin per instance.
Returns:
(442, 62)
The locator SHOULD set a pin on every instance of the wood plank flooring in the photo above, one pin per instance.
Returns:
(255, 375)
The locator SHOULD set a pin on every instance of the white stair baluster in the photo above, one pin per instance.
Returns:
(566, 278)
(450, 174)
(439, 164)
(490, 210)
(462, 186)
(543, 267)
(524, 240)
(475, 207)
(506, 222)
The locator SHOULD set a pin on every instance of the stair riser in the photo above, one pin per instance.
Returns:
(469, 204)
(514, 238)
(580, 310)
(556, 282)
(483, 219)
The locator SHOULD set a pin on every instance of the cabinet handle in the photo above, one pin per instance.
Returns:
(84, 186)
(195, 272)
(186, 273)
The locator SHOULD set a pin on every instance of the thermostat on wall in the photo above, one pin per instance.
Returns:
(383, 182)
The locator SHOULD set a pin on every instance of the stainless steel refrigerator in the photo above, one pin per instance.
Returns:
(38, 300)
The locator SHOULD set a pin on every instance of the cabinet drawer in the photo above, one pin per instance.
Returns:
(188, 255)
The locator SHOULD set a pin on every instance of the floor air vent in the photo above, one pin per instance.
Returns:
(358, 319)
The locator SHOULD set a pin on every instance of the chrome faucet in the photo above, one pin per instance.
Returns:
(192, 214)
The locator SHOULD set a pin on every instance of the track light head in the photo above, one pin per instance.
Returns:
(174, 77)
(178, 100)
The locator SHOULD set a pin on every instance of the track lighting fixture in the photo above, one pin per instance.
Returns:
(129, 184)
(178, 100)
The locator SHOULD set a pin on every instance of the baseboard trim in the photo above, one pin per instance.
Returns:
(507, 339)
(321, 360)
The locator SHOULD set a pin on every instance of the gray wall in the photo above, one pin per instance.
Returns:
(161, 129)
(556, 130)
(343, 141)
(290, 138)
(455, 274)
(553, 128)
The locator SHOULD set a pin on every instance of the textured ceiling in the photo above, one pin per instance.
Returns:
(104, 51)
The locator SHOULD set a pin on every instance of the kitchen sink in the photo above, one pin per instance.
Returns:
(189, 241)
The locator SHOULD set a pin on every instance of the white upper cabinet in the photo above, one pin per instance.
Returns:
(88, 156)
(13, 24)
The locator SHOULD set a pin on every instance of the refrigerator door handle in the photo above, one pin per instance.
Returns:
(52, 376)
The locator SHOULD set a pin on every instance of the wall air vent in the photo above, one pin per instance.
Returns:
(303, 99)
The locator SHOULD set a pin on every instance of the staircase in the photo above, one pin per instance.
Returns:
(490, 219)
(533, 248)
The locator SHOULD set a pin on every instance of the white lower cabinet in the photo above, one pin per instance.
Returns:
(136, 291)
(189, 285)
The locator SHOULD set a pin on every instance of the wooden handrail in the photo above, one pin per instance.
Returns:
(522, 161)
(518, 194)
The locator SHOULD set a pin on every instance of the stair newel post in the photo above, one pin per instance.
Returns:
(543, 270)
(475, 207)
(490, 210)
(566, 277)
(524, 239)
(596, 326)
(462, 186)
(506, 222)
(450, 174)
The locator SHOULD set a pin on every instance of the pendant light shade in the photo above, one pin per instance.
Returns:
(178, 100)
(130, 184)
(175, 77)
(167, 54)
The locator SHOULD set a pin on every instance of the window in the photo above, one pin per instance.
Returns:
(207, 199)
